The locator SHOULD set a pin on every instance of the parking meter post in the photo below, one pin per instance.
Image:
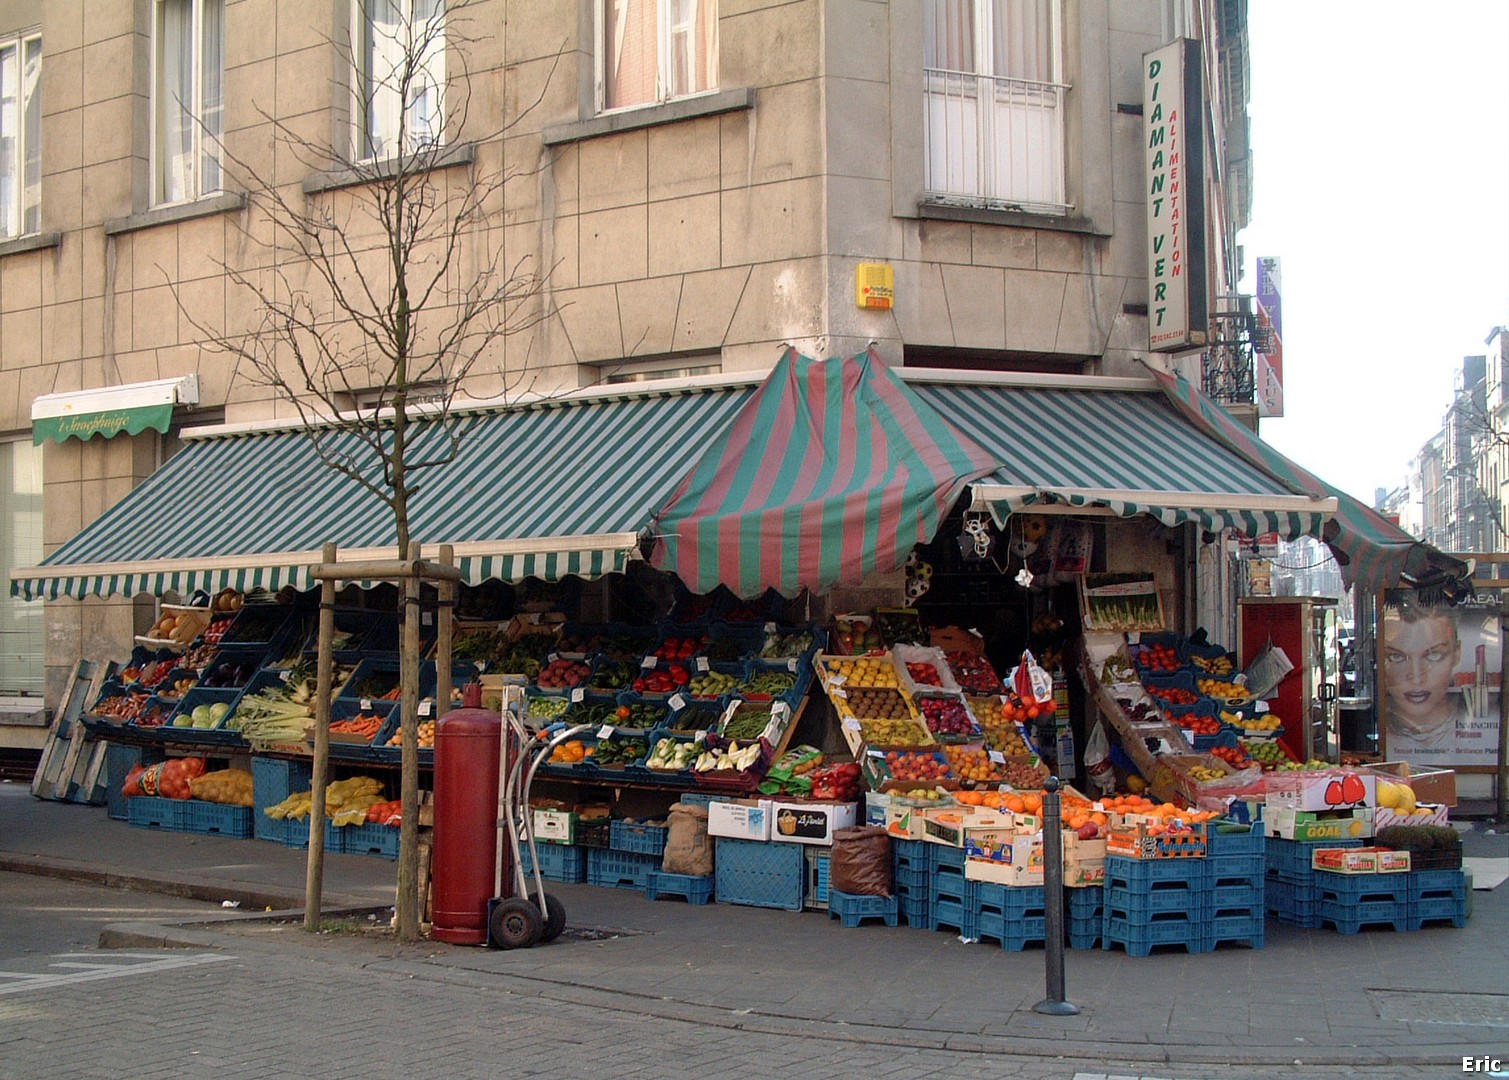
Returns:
(1053, 902)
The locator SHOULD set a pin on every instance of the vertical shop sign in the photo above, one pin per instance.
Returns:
(1268, 349)
(1173, 126)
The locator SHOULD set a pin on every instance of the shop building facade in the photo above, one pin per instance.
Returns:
(698, 185)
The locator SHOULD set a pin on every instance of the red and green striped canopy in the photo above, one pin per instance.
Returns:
(1371, 550)
(834, 469)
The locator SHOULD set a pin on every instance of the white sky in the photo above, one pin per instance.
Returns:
(1380, 137)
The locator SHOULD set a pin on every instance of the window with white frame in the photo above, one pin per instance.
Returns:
(994, 97)
(21, 628)
(188, 100)
(399, 49)
(655, 50)
(20, 135)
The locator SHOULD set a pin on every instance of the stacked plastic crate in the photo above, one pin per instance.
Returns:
(1235, 873)
(1291, 893)
(1151, 902)
(912, 873)
(950, 897)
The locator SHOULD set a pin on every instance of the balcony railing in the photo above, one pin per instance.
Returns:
(994, 142)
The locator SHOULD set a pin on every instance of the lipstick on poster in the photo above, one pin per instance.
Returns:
(1480, 683)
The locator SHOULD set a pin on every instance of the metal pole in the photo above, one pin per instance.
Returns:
(314, 880)
(1053, 902)
(446, 604)
(1502, 780)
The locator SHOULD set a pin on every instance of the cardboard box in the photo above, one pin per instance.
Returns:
(1383, 817)
(949, 826)
(1322, 790)
(1084, 862)
(811, 823)
(1014, 861)
(742, 819)
(555, 826)
(1310, 826)
(904, 822)
(1366, 860)
(1135, 841)
(876, 805)
(1429, 785)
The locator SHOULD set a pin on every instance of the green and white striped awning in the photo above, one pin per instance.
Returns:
(1123, 451)
(546, 491)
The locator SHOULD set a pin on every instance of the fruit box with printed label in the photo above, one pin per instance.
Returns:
(811, 823)
(742, 819)
(555, 826)
(1321, 790)
(1310, 825)
(1435, 814)
(1014, 859)
(1138, 840)
(950, 826)
(904, 822)
(1084, 861)
(1360, 860)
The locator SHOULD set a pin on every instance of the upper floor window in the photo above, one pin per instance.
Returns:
(188, 98)
(400, 77)
(994, 99)
(20, 136)
(656, 50)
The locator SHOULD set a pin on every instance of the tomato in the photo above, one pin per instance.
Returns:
(624, 712)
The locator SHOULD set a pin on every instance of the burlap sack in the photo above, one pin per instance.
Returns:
(688, 848)
(861, 861)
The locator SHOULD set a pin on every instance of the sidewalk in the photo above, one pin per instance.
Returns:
(1379, 999)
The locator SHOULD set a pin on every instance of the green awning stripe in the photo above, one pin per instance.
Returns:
(564, 469)
(1287, 524)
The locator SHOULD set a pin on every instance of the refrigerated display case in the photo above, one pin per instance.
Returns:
(1305, 628)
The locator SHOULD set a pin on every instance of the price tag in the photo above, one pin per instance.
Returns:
(838, 692)
(997, 757)
(702, 664)
(700, 735)
(791, 665)
(578, 694)
(677, 701)
(772, 628)
(366, 703)
(284, 675)
(427, 618)
(649, 661)
(551, 658)
(851, 724)
(481, 666)
(426, 707)
(605, 732)
(1260, 706)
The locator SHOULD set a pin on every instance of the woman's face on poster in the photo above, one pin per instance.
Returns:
(1419, 659)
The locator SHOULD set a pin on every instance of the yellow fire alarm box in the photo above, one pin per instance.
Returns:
(874, 285)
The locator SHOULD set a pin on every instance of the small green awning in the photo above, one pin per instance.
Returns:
(110, 410)
(552, 489)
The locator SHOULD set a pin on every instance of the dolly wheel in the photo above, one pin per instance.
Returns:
(555, 919)
(515, 924)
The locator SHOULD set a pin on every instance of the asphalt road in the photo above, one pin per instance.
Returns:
(268, 1001)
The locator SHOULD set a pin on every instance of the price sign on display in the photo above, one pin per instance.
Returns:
(851, 724)
(605, 732)
(578, 694)
(426, 707)
(677, 701)
(997, 757)
(366, 703)
(702, 664)
(648, 662)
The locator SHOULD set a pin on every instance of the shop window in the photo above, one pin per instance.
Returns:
(994, 96)
(649, 370)
(188, 103)
(21, 625)
(651, 51)
(20, 136)
(400, 76)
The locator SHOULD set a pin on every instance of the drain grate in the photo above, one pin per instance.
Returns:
(1441, 1007)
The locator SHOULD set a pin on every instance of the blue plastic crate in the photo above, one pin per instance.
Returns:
(691, 888)
(1235, 869)
(1012, 901)
(642, 838)
(699, 798)
(852, 909)
(1140, 873)
(1136, 902)
(1085, 933)
(1292, 904)
(1353, 918)
(215, 819)
(1139, 939)
(759, 874)
(1249, 840)
(119, 760)
(1085, 903)
(943, 857)
(273, 780)
(1436, 884)
(558, 862)
(815, 895)
(1234, 926)
(911, 853)
(370, 839)
(914, 911)
(952, 915)
(910, 882)
(953, 888)
(1235, 896)
(1292, 857)
(1363, 888)
(1439, 909)
(620, 869)
(156, 812)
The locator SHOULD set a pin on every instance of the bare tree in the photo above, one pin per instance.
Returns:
(378, 289)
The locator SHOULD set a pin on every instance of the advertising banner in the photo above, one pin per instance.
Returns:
(1439, 670)
(1268, 355)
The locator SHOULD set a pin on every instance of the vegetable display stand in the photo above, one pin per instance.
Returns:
(692, 888)
(759, 874)
(215, 819)
(852, 909)
(155, 812)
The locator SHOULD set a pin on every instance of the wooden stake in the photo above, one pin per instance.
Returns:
(314, 879)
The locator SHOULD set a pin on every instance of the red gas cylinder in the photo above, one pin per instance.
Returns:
(466, 824)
